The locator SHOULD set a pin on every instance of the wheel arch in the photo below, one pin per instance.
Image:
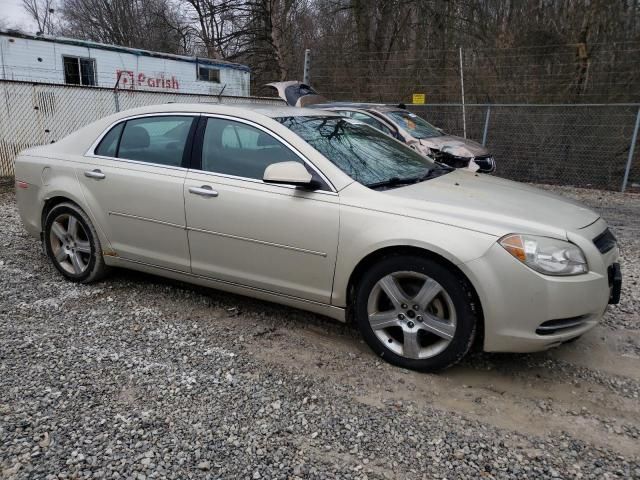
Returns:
(370, 259)
(91, 267)
(51, 202)
(57, 198)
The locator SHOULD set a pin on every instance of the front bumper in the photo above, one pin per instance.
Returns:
(525, 311)
(483, 163)
(615, 283)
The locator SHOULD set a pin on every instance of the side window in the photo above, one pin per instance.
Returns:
(79, 71)
(234, 148)
(155, 139)
(109, 143)
(371, 121)
(208, 74)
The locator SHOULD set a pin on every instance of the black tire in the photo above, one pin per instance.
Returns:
(95, 268)
(459, 295)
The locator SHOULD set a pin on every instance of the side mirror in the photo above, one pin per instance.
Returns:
(441, 130)
(288, 173)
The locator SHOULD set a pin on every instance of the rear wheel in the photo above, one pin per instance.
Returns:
(415, 313)
(72, 244)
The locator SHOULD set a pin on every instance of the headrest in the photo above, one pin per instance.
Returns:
(134, 137)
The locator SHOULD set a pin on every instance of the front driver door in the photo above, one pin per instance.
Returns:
(241, 230)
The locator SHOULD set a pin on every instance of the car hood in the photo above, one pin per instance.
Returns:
(456, 146)
(492, 205)
(297, 94)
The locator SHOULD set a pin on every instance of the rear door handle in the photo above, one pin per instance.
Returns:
(97, 174)
(204, 191)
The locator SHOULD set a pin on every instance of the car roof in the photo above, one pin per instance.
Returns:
(380, 107)
(268, 110)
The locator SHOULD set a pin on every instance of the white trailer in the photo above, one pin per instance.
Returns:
(57, 60)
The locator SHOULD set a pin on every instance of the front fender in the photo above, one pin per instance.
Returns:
(364, 232)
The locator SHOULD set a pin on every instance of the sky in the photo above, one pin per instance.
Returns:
(12, 15)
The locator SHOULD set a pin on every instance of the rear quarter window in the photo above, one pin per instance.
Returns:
(108, 146)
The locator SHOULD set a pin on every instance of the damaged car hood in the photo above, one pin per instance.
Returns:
(297, 94)
(456, 146)
(492, 205)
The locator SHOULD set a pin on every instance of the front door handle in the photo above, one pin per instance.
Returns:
(97, 174)
(205, 191)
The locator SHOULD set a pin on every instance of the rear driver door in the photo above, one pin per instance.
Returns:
(133, 183)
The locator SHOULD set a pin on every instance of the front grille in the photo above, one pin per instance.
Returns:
(448, 159)
(486, 163)
(605, 241)
(556, 326)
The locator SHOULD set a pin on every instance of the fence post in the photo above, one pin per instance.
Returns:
(632, 148)
(116, 99)
(307, 67)
(486, 126)
(464, 113)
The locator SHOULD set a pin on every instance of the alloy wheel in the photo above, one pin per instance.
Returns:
(412, 314)
(70, 244)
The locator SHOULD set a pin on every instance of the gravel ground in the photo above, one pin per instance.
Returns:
(139, 377)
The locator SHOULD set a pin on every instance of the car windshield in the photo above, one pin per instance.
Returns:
(365, 154)
(412, 123)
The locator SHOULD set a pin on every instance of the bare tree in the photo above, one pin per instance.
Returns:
(218, 23)
(382, 50)
(149, 24)
(42, 12)
(268, 39)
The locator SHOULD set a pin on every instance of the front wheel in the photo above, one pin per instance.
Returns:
(415, 313)
(72, 244)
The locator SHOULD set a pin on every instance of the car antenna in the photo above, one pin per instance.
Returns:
(220, 94)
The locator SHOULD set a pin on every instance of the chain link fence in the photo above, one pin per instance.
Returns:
(581, 145)
(37, 113)
(588, 145)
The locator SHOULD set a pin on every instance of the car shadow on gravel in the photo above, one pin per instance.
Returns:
(235, 304)
(292, 319)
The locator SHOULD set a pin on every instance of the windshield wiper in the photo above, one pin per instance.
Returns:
(436, 171)
(394, 181)
(439, 169)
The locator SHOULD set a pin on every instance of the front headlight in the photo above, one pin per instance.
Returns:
(546, 255)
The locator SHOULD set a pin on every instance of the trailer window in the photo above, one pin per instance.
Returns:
(208, 74)
(79, 71)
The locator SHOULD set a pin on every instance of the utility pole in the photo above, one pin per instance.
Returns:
(306, 77)
(464, 113)
(632, 148)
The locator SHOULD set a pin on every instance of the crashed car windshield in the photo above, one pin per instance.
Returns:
(365, 154)
(412, 123)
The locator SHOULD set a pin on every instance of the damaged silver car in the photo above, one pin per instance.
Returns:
(399, 123)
